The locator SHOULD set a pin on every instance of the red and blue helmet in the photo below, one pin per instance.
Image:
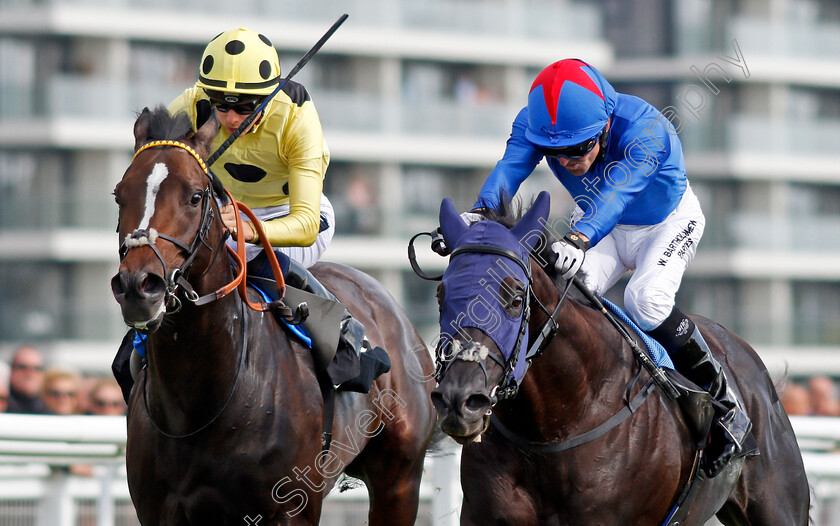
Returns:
(570, 102)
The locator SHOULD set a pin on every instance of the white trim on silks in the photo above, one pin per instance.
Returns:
(306, 256)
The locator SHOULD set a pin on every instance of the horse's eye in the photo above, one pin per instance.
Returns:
(195, 199)
(512, 296)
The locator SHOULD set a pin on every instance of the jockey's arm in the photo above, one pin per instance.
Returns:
(518, 162)
(307, 155)
(299, 228)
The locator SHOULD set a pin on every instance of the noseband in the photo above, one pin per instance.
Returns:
(148, 236)
(507, 387)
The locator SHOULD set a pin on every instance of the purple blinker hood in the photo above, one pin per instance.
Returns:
(473, 279)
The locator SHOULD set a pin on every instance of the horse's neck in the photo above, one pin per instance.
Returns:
(582, 369)
(194, 357)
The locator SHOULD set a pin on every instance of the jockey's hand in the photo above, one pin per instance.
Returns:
(570, 252)
(229, 219)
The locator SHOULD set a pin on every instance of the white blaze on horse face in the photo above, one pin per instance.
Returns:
(153, 182)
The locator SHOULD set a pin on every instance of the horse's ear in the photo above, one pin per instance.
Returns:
(451, 224)
(141, 128)
(203, 138)
(534, 221)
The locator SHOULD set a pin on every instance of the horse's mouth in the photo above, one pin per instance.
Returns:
(467, 440)
(137, 319)
(465, 433)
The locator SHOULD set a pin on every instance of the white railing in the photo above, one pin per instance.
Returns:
(36, 486)
(37, 454)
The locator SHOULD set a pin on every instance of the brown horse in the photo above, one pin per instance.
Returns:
(579, 443)
(224, 423)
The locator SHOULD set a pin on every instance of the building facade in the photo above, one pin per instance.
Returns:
(753, 88)
(416, 100)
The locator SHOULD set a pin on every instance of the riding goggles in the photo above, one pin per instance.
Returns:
(245, 108)
(575, 151)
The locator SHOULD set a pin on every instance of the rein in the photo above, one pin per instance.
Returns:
(177, 278)
(583, 438)
(508, 388)
(242, 358)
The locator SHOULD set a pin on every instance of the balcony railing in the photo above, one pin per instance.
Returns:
(79, 96)
(789, 39)
(761, 36)
(749, 134)
(782, 234)
(509, 18)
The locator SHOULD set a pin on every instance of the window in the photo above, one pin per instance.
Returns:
(816, 309)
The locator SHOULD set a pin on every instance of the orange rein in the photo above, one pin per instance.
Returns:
(239, 282)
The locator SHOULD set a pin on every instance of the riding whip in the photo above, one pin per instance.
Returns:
(654, 370)
(302, 62)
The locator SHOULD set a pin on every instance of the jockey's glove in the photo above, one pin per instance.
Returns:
(570, 252)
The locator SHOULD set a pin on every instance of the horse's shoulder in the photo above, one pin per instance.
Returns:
(331, 270)
(348, 282)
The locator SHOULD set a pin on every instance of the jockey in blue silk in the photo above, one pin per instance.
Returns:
(622, 163)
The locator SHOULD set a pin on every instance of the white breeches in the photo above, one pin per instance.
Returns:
(659, 255)
(306, 256)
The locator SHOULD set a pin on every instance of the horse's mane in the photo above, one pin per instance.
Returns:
(507, 212)
(166, 127)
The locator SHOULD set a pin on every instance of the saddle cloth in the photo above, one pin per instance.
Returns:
(297, 330)
(654, 348)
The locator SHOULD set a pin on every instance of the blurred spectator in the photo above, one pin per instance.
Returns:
(5, 370)
(824, 396)
(106, 398)
(86, 385)
(26, 381)
(797, 400)
(466, 89)
(61, 392)
(363, 217)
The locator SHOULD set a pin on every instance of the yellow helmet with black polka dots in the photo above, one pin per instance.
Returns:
(239, 65)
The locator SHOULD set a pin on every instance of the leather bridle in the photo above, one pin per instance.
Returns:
(148, 236)
(507, 386)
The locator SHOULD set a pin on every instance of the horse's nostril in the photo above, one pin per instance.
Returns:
(118, 284)
(151, 284)
(478, 403)
(145, 285)
(439, 403)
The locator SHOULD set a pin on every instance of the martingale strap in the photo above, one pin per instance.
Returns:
(589, 436)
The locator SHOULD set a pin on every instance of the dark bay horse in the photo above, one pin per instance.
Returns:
(525, 464)
(224, 423)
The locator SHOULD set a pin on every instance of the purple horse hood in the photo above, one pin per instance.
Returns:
(473, 281)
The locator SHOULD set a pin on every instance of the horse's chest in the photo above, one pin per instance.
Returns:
(229, 474)
(503, 487)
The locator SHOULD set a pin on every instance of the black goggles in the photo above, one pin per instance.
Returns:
(575, 151)
(242, 108)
